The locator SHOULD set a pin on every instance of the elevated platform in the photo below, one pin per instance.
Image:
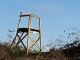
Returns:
(26, 30)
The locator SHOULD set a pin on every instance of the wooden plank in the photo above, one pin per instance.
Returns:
(28, 14)
(40, 34)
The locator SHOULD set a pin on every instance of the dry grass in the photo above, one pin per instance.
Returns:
(53, 54)
(6, 54)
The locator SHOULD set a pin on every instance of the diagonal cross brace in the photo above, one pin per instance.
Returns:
(20, 40)
(33, 43)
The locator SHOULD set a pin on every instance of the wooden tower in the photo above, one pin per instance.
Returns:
(20, 31)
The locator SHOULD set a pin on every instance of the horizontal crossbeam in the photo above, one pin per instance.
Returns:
(23, 14)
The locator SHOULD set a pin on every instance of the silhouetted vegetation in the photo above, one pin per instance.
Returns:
(68, 51)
